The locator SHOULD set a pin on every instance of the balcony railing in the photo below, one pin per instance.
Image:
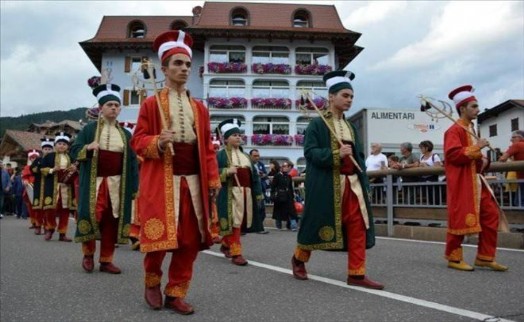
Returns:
(227, 103)
(271, 103)
(214, 67)
(272, 139)
(270, 68)
(313, 69)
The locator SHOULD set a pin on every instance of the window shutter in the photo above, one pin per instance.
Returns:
(126, 97)
(127, 67)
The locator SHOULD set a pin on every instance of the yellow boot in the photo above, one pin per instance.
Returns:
(493, 265)
(461, 266)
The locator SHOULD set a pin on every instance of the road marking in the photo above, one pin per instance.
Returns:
(386, 294)
(443, 243)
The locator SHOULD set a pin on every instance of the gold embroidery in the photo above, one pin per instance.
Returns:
(154, 229)
(84, 226)
(302, 255)
(235, 249)
(126, 229)
(485, 258)
(326, 233)
(223, 223)
(456, 255)
(152, 279)
(359, 271)
(471, 220)
(48, 200)
(179, 290)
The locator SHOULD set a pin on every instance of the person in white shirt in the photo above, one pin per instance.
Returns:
(376, 161)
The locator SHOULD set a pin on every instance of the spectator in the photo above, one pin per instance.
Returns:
(376, 161)
(264, 182)
(516, 150)
(6, 187)
(18, 190)
(430, 159)
(283, 196)
(293, 172)
(274, 168)
(407, 161)
(9, 199)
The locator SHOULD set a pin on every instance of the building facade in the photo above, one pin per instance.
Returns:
(251, 61)
(497, 123)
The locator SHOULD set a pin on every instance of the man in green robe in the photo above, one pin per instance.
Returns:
(108, 182)
(337, 212)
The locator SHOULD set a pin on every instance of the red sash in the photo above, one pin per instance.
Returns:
(244, 177)
(110, 163)
(185, 161)
(347, 167)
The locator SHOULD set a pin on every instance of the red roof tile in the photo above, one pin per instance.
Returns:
(27, 140)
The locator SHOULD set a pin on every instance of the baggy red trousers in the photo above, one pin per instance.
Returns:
(107, 224)
(182, 258)
(61, 213)
(489, 222)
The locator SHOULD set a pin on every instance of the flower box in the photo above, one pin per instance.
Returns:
(313, 69)
(222, 102)
(271, 139)
(226, 67)
(271, 103)
(320, 102)
(299, 139)
(259, 68)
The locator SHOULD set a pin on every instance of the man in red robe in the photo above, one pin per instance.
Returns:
(472, 208)
(179, 173)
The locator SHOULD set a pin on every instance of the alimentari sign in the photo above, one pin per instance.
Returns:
(392, 115)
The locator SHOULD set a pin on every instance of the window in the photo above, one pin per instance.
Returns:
(493, 130)
(301, 164)
(270, 125)
(136, 29)
(312, 56)
(239, 17)
(227, 88)
(302, 123)
(316, 89)
(133, 64)
(132, 97)
(267, 54)
(301, 19)
(178, 25)
(216, 119)
(227, 54)
(268, 88)
(515, 124)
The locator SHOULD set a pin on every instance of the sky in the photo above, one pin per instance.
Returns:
(410, 48)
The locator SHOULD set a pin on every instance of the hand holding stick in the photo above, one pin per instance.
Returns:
(331, 130)
(150, 69)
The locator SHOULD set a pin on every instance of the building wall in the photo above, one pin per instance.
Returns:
(393, 127)
(503, 124)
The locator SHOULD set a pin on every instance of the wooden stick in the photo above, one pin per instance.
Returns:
(453, 120)
(150, 70)
(331, 130)
(98, 130)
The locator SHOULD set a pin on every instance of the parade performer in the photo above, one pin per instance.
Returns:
(28, 180)
(108, 181)
(179, 172)
(240, 194)
(472, 207)
(58, 191)
(337, 212)
(47, 146)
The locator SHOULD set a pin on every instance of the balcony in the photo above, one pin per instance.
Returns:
(272, 139)
(270, 68)
(320, 102)
(219, 68)
(313, 69)
(227, 103)
(271, 103)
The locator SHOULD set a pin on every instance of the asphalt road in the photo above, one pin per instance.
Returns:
(44, 281)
